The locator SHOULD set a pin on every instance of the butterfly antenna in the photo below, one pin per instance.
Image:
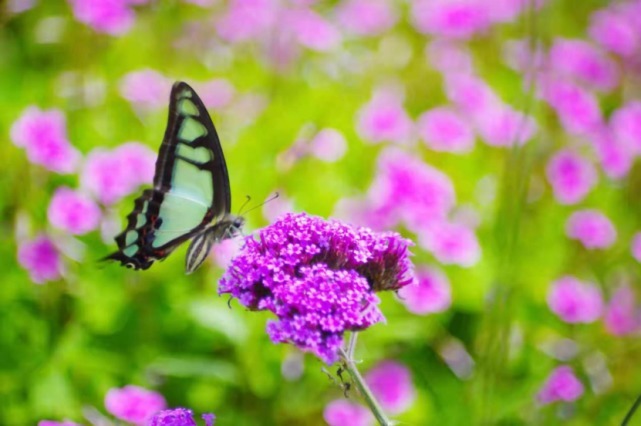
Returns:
(240, 210)
(272, 198)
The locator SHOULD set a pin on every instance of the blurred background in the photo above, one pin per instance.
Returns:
(501, 137)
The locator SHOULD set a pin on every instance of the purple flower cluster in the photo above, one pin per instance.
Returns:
(179, 417)
(319, 278)
(134, 404)
(561, 385)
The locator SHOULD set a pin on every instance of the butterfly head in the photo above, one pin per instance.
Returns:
(235, 226)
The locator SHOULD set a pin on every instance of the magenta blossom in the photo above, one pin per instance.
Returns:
(577, 109)
(471, 94)
(561, 385)
(615, 158)
(451, 18)
(621, 315)
(626, 125)
(451, 243)
(247, 19)
(585, 63)
(615, 31)
(636, 246)
(43, 135)
(319, 278)
(328, 145)
(176, 417)
(383, 118)
(448, 56)
(501, 125)
(114, 17)
(572, 177)
(391, 382)
(575, 301)
(443, 129)
(145, 88)
(592, 228)
(216, 93)
(134, 404)
(366, 17)
(73, 212)
(431, 294)
(41, 258)
(311, 30)
(342, 412)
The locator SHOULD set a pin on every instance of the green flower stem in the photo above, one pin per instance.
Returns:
(347, 358)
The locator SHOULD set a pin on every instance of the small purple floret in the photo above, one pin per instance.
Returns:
(319, 278)
(173, 417)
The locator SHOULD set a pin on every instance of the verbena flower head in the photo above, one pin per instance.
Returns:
(342, 412)
(73, 211)
(626, 126)
(384, 119)
(173, 417)
(575, 301)
(443, 129)
(145, 88)
(43, 135)
(592, 228)
(615, 31)
(366, 17)
(134, 404)
(41, 258)
(319, 278)
(561, 385)
(113, 17)
(391, 382)
(451, 18)
(572, 176)
(622, 315)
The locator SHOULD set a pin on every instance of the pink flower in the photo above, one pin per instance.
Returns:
(430, 294)
(113, 17)
(580, 60)
(470, 94)
(247, 19)
(447, 57)
(575, 301)
(626, 125)
(561, 385)
(521, 55)
(592, 228)
(572, 177)
(451, 243)
(443, 129)
(134, 404)
(451, 18)
(342, 412)
(383, 118)
(312, 30)
(145, 88)
(577, 108)
(44, 136)
(616, 159)
(73, 212)
(391, 383)
(615, 31)
(366, 17)
(328, 145)
(111, 175)
(621, 316)
(224, 251)
(41, 258)
(500, 125)
(405, 188)
(216, 93)
(509, 10)
(636, 246)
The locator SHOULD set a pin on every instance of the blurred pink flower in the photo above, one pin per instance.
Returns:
(366, 17)
(216, 93)
(615, 31)
(391, 383)
(405, 188)
(577, 108)
(311, 29)
(451, 243)
(621, 315)
(443, 129)
(73, 212)
(636, 246)
(616, 159)
(201, 3)
(111, 175)
(561, 385)
(509, 10)
(145, 88)
(328, 145)
(113, 17)
(524, 55)
(430, 294)
(470, 94)
(55, 423)
(448, 56)
(626, 126)
(41, 258)
(572, 177)
(575, 301)
(43, 135)
(383, 118)
(134, 404)
(277, 207)
(247, 19)
(223, 252)
(451, 18)
(582, 61)
(342, 412)
(501, 125)
(592, 228)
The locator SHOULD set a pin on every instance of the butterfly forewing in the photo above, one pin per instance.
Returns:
(191, 186)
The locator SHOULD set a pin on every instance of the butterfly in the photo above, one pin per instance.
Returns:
(190, 198)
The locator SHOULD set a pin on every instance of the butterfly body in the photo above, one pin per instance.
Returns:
(191, 198)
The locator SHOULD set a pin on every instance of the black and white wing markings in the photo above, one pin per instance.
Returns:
(191, 189)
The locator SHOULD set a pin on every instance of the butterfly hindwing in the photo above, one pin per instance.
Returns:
(191, 186)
